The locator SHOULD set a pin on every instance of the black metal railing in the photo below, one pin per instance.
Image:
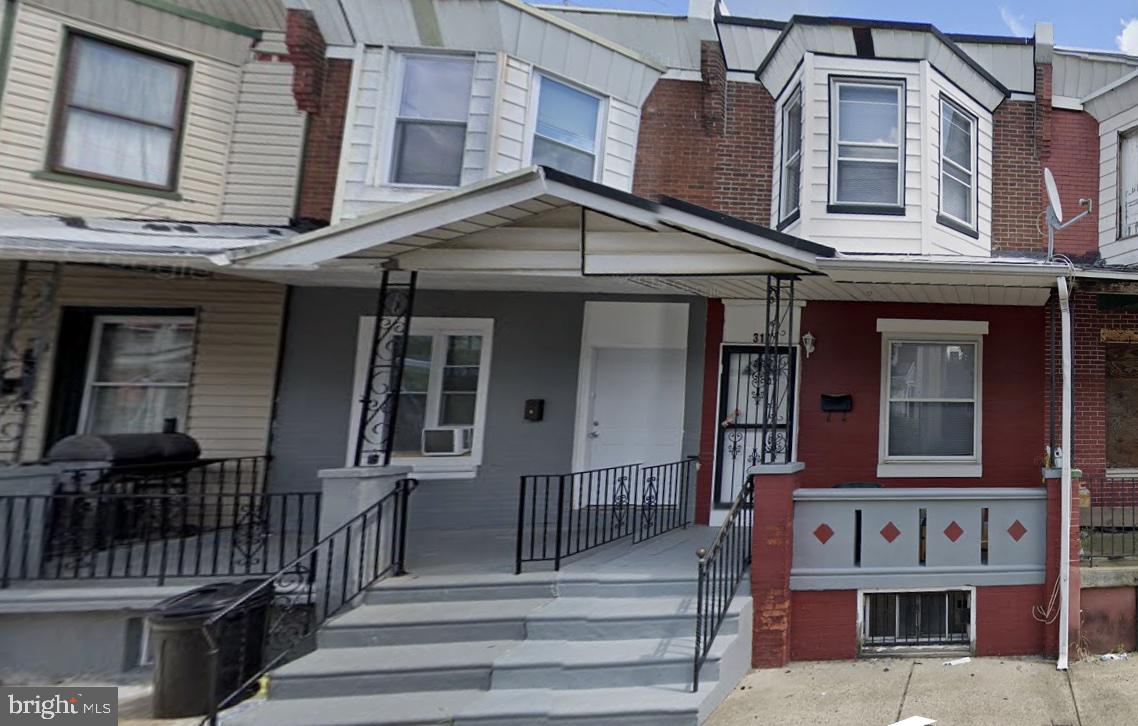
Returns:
(302, 595)
(722, 566)
(562, 515)
(1108, 523)
(199, 520)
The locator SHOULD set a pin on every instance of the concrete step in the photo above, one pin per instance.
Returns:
(569, 665)
(389, 669)
(671, 705)
(454, 588)
(436, 622)
(582, 618)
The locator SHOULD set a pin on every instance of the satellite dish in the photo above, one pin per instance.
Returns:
(1053, 195)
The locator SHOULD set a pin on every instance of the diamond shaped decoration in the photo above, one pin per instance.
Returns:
(823, 533)
(1017, 530)
(953, 531)
(890, 532)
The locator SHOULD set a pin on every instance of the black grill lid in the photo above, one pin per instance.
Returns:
(126, 448)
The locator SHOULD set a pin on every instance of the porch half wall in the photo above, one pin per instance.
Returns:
(536, 353)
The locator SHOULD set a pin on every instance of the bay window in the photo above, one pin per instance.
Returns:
(791, 181)
(430, 124)
(957, 167)
(565, 133)
(119, 115)
(138, 374)
(930, 398)
(867, 146)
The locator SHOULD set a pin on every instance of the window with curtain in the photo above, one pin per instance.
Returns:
(120, 114)
(866, 149)
(565, 134)
(430, 128)
(138, 374)
(789, 186)
(957, 175)
(932, 404)
(1128, 184)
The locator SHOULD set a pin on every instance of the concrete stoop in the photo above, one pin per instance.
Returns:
(529, 649)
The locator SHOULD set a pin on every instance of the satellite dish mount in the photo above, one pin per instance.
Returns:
(1055, 211)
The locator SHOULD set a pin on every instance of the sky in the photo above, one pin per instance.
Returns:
(1098, 24)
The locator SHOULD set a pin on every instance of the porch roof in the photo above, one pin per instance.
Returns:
(538, 221)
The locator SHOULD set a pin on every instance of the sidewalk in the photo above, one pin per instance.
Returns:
(996, 691)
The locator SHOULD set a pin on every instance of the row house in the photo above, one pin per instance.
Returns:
(622, 351)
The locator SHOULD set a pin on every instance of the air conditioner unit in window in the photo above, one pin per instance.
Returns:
(448, 440)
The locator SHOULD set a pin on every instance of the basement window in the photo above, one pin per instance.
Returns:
(909, 619)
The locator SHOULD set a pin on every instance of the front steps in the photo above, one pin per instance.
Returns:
(505, 650)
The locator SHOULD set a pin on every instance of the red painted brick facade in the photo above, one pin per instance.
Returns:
(709, 143)
(322, 140)
(1004, 622)
(1110, 619)
(709, 424)
(773, 533)
(1017, 179)
(823, 625)
(847, 359)
(1074, 161)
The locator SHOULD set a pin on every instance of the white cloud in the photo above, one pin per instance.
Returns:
(1128, 40)
(1015, 23)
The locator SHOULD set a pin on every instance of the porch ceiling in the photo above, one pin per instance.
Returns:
(537, 222)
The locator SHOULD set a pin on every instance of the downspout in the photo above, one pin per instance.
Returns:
(1065, 483)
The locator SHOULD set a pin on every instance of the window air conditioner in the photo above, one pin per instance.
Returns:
(448, 440)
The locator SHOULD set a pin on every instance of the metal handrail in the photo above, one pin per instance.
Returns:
(317, 585)
(721, 569)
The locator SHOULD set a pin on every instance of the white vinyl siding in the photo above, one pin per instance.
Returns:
(237, 345)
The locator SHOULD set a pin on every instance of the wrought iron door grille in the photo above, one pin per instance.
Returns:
(916, 618)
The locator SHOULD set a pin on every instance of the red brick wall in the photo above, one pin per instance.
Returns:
(1004, 622)
(1017, 178)
(306, 53)
(322, 139)
(708, 142)
(709, 424)
(823, 625)
(1109, 619)
(772, 534)
(1074, 160)
(847, 359)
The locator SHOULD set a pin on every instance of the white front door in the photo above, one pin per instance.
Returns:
(636, 407)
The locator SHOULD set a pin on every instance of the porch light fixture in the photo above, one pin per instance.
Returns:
(808, 343)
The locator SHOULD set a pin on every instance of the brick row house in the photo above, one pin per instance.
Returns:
(703, 325)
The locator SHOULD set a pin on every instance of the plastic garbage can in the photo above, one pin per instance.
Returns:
(182, 666)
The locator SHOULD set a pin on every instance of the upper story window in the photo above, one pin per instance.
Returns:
(120, 114)
(565, 133)
(1128, 184)
(957, 167)
(866, 146)
(430, 128)
(791, 182)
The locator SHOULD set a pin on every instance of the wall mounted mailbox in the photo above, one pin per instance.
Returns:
(837, 402)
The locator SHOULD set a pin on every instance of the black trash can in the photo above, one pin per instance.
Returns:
(181, 652)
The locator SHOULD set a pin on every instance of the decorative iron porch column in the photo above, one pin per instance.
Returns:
(379, 399)
(26, 336)
(774, 373)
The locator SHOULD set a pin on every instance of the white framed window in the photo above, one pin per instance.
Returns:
(867, 133)
(119, 114)
(1128, 184)
(790, 185)
(931, 401)
(430, 124)
(913, 618)
(957, 165)
(138, 374)
(566, 128)
(446, 377)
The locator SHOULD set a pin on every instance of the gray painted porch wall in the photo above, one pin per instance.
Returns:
(537, 344)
